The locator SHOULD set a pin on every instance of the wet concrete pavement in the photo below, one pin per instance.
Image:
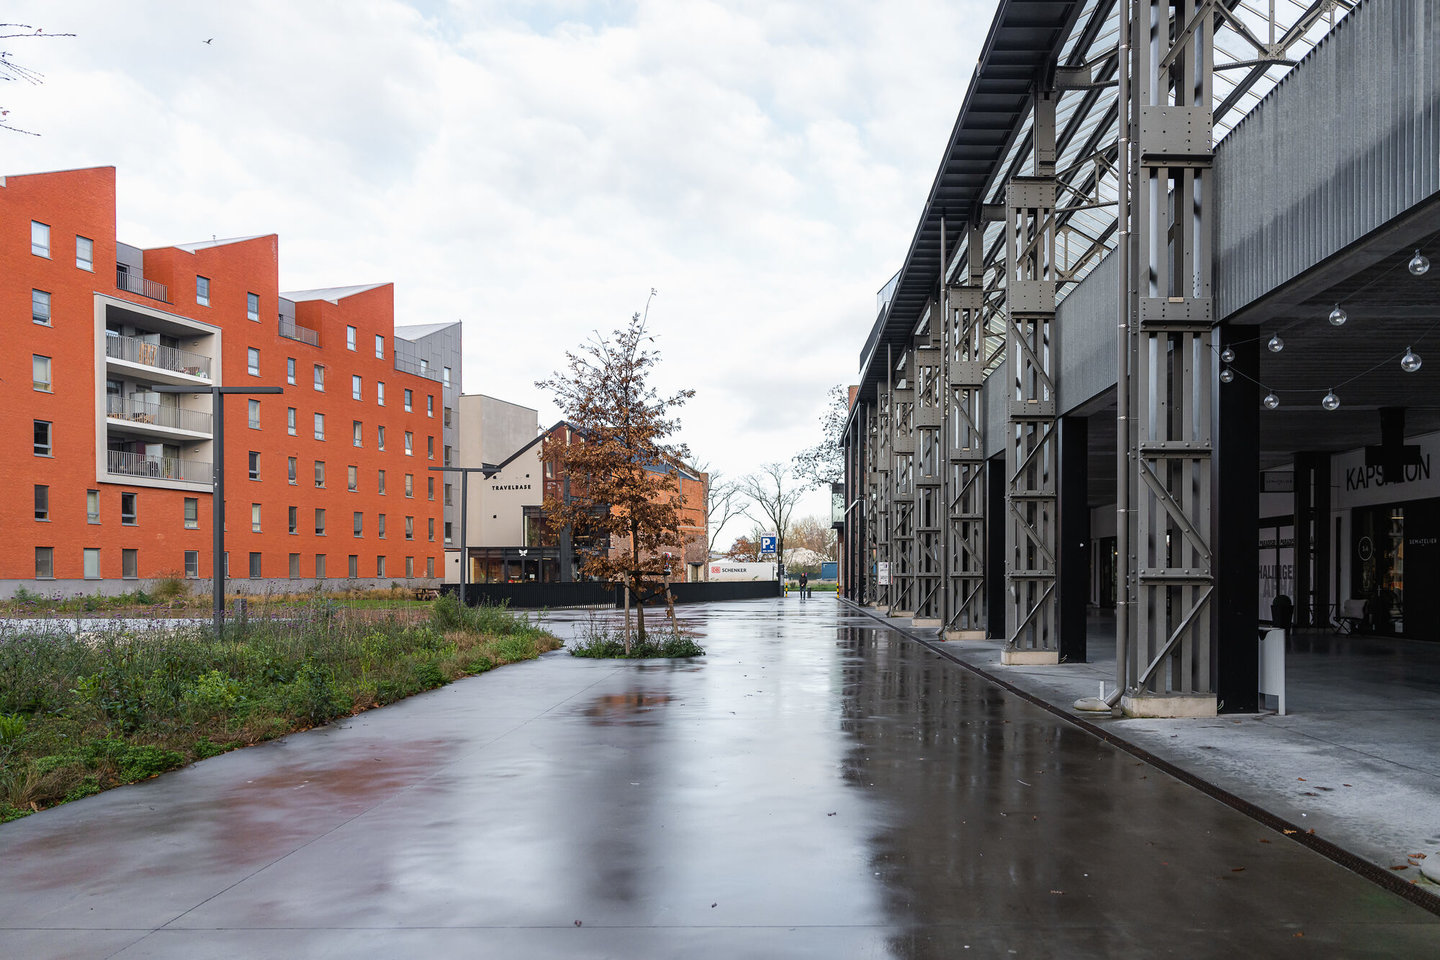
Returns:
(818, 786)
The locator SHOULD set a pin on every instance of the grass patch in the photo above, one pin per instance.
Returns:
(599, 642)
(80, 714)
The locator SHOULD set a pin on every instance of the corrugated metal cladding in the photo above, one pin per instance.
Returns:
(1348, 141)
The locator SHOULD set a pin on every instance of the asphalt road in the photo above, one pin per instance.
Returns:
(817, 786)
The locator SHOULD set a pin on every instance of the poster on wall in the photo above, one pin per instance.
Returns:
(882, 573)
(1277, 565)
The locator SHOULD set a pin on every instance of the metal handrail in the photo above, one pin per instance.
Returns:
(157, 468)
(291, 330)
(135, 350)
(131, 283)
(407, 365)
(159, 414)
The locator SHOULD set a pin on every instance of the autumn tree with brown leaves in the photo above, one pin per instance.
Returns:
(624, 472)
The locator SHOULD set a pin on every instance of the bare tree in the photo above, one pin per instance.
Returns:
(772, 499)
(824, 463)
(10, 70)
(814, 533)
(723, 503)
(624, 475)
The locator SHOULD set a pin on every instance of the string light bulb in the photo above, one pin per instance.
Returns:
(1271, 401)
(1419, 264)
(1228, 354)
(1226, 375)
(1338, 317)
(1410, 362)
(1330, 401)
(1276, 344)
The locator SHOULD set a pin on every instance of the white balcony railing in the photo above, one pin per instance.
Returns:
(157, 468)
(135, 350)
(157, 414)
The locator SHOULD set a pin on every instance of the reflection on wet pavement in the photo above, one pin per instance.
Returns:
(818, 785)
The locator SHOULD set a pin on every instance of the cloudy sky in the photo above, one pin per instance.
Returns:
(535, 168)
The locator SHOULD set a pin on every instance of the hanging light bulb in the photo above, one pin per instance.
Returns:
(1276, 344)
(1228, 354)
(1419, 264)
(1330, 401)
(1271, 401)
(1338, 317)
(1226, 374)
(1410, 362)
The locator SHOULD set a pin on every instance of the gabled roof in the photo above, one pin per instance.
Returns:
(414, 331)
(205, 244)
(333, 294)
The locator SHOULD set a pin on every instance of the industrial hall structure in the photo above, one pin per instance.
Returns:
(327, 477)
(1156, 349)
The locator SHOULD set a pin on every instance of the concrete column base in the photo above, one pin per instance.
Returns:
(964, 634)
(1017, 657)
(898, 614)
(878, 607)
(1168, 708)
(924, 622)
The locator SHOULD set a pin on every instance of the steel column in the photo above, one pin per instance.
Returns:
(965, 487)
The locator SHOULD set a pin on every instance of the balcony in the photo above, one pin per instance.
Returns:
(157, 414)
(291, 330)
(134, 350)
(127, 281)
(157, 468)
(407, 365)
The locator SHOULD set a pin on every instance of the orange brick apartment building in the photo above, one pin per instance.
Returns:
(108, 482)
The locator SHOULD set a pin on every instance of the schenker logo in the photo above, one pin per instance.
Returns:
(1363, 478)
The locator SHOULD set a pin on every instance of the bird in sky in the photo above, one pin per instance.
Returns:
(211, 40)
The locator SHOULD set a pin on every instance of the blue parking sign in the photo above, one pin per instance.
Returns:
(767, 544)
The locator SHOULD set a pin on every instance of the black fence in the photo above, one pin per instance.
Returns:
(534, 596)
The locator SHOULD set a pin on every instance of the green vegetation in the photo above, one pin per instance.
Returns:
(172, 595)
(79, 714)
(598, 642)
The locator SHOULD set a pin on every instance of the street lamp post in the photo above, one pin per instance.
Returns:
(464, 506)
(217, 486)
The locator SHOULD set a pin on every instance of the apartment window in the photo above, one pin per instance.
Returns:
(84, 253)
(448, 537)
(40, 372)
(447, 495)
(130, 564)
(290, 467)
(380, 525)
(252, 307)
(360, 524)
(92, 563)
(409, 528)
(430, 529)
(355, 433)
(292, 520)
(380, 392)
(409, 567)
(254, 518)
(192, 513)
(349, 338)
(430, 450)
(409, 444)
(319, 566)
(445, 374)
(382, 481)
(408, 399)
(424, 367)
(192, 564)
(446, 461)
(252, 365)
(128, 509)
(379, 355)
(40, 306)
(92, 506)
(202, 291)
(430, 565)
(254, 566)
(352, 566)
(429, 405)
(290, 421)
(429, 488)
(254, 414)
(42, 502)
(355, 386)
(319, 473)
(294, 566)
(42, 438)
(39, 238)
(379, 566)
(319, 521)
(254, 465)
(44, 563)
(409, 485)
(319, 378)
(290, 370)
(319, 426)
(352, 478)
(445, 417)
(380, 436)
